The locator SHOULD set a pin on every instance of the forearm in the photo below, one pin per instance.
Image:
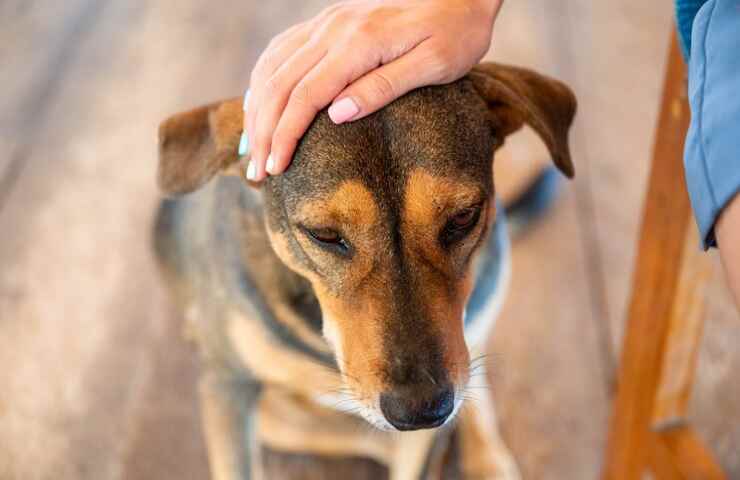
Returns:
(727, 232)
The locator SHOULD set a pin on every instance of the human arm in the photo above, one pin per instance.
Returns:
(727, 231)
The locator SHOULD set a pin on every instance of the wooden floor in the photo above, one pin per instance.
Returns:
(95, 382)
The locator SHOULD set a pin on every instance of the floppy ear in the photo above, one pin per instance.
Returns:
(517, 96)
(195, 145)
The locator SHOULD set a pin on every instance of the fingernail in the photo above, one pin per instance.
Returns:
(243, 144)
(251, 171)
(270, 165)
(246, 100)
(343, 110)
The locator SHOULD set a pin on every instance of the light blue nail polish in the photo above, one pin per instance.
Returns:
(246, 100)
(243, 144)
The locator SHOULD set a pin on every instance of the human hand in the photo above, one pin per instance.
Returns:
(359, 56)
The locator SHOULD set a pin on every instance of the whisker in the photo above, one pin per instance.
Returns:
(429, 376)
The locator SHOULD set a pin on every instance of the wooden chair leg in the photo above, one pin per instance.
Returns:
(680, 451)
(648, 428)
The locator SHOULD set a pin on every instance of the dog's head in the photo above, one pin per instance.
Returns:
(383, 216)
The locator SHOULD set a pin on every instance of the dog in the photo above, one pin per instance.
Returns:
(357, 288)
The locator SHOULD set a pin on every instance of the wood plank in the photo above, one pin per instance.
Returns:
(655, 284)
(166, 439)
(38, 42)
(81, 309)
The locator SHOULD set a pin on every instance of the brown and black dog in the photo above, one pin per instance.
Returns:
(342, 291)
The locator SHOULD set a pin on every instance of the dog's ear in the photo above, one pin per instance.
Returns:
(196, 145)
(517, 96)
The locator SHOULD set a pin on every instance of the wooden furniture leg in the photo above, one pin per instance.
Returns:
(649, 430)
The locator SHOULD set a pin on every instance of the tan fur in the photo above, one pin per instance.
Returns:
(355, 318)
(483, 452)
(299, 328)
(350, 204)
(429, 201)
(289, 422)
(411, 453)
(360, 334)
(275, 365)
(224, 410)
(428, 198)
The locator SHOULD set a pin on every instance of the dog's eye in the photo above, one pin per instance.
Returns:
(328, 239)
(459, 225)
(464, 218)
(325, 236)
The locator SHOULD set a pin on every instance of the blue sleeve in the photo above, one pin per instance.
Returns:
(686, 11)
(712, 151)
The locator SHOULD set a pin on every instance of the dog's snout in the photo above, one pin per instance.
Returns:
(417, 411)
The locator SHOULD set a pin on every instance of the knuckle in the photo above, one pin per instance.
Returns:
(273, 86)
(285, 136)
(339, 16)
(442, 61)
(363, 39)
(379, 16)
(268, 58)
(262, 142)
(286, 34)
(368, 29)
(331, 10)
(260, 70)
(381, 86)
(301, 96)
(263, 134)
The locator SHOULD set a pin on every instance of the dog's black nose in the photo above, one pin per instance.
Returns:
(411, 412)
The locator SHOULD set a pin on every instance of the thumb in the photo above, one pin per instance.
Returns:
(386, 83)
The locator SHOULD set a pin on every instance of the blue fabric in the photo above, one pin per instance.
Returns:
(686, 11)
(712, 151)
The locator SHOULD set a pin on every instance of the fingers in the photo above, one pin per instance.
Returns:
(424, 65)
(313, 93)
(280, 50)
(276, 93)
